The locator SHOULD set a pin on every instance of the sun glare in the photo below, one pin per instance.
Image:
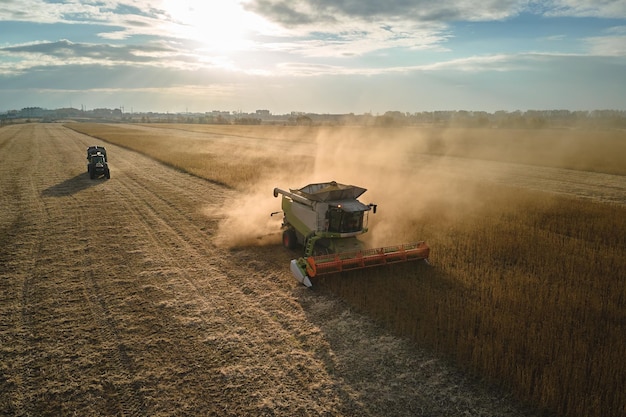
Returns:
(223, 25)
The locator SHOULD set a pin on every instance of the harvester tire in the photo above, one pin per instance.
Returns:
(289, 239)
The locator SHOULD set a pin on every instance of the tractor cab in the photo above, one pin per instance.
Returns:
(98, 159)
(97, 165)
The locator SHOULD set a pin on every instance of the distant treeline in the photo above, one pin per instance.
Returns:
(530, 119)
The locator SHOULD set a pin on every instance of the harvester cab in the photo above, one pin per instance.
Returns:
(326, 218)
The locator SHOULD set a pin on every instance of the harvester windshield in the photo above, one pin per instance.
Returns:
(341, 221)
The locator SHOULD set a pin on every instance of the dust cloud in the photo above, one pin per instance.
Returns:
(247, 216)
(388, 163)
(248, 220)
(405, 184)
(411, 173)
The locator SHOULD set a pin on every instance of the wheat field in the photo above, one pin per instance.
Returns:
(527, 285)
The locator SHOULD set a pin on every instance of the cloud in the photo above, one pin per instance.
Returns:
(352, 28)
(471, 64)
(607, 45)
(354, 41)
(612, 44)
(64, 52)
(315, 47)
(29, 11)
(347, 28)
(305, 28)
(129, 17)
(64, 49)
(334, 12)
(37, 55)
(613, 9)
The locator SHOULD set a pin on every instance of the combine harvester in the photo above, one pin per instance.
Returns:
(326, 219)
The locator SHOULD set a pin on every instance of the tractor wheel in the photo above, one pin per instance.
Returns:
(289, 239)
(108, 174)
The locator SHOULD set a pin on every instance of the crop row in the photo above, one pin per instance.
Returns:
(530, 293)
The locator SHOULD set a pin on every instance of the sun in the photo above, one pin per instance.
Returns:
(223, 25)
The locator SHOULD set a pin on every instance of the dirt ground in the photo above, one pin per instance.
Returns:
(114, 300)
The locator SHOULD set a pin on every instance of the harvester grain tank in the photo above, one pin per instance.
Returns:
(326, 219)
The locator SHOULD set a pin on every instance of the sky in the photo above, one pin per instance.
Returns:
(313, 56)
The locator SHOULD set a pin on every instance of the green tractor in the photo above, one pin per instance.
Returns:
(97, 164)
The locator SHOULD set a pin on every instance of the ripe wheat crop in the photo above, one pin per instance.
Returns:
(527, 289)
(530, 293)
(233, 165)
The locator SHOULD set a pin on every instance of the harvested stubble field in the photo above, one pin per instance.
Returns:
(162, 293)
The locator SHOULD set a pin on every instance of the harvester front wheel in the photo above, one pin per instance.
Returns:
(289, 239)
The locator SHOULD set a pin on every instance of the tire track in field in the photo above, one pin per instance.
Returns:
(75, 290)
(122, 391)
(148, 209)
(20, 249)
(221, 304)
(47, 254)
(136, 312)
(236, 301)
(129, 399)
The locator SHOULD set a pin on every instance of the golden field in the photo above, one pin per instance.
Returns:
(599, 151)
(527, 288)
